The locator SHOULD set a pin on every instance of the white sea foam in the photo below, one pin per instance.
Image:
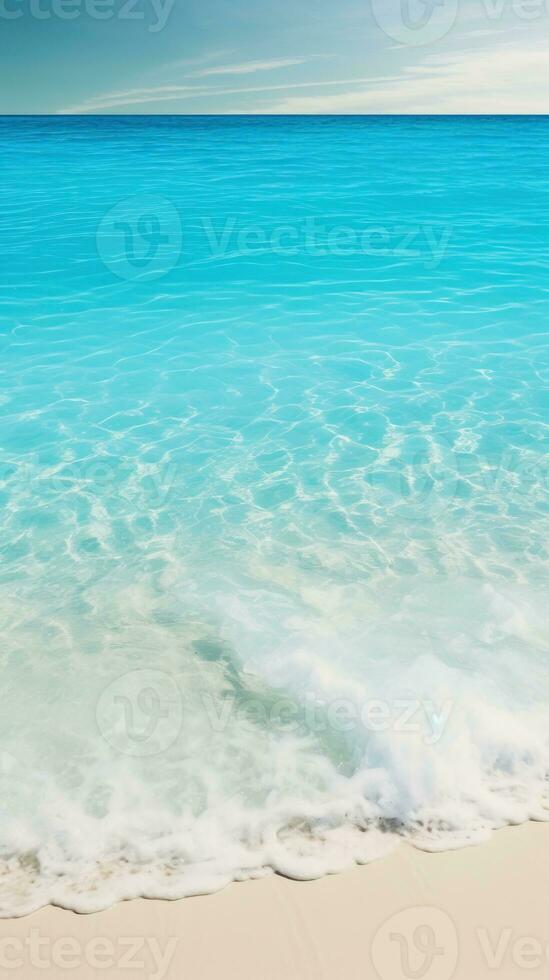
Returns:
(306, 734)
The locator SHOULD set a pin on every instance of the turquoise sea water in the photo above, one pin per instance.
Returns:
(273, 488)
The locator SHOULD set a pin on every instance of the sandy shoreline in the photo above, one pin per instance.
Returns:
(472, 913)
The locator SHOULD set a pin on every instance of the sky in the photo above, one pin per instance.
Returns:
(274, 56)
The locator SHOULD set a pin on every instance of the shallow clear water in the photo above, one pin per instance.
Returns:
(273, 486)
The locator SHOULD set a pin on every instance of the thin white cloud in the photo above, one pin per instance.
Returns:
(507, 79)
(249, 67)
(170, 93)
(136, 96)
(510, 79)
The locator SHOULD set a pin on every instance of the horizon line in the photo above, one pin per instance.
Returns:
(273, 115)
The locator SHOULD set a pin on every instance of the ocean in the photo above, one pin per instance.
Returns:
(274, 496)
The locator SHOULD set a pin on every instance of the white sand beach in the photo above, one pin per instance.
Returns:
(471, 914)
